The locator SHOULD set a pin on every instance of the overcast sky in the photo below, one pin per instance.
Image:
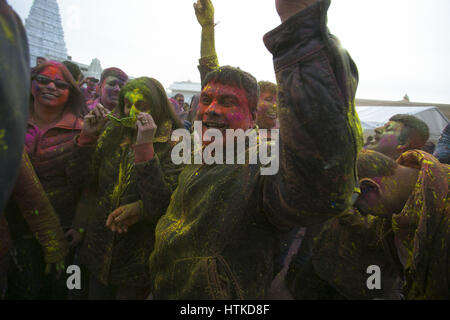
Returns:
(400, 46)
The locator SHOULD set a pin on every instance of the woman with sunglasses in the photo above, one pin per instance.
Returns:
(129, 163)
(56, 111)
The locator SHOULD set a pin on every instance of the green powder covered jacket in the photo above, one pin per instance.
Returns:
(343, 251)
(217, 238)
(122, 259)
(31, 215)
(351, 243)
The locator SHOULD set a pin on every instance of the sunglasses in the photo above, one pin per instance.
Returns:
(62, 85)
(128, 122)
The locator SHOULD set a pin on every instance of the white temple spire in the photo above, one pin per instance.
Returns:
(45, 32)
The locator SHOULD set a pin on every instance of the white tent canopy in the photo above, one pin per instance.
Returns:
(373, 117)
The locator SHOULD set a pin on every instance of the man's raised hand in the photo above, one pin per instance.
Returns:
(204, 10)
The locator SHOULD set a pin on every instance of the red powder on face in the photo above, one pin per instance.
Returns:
(48, 94)
(224, 107)
(225, 103)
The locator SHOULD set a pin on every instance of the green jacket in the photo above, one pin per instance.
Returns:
(121, 259)
(218, 236)
(349, 244)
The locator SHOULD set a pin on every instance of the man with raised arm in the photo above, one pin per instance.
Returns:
(266, 116)
(218, 236)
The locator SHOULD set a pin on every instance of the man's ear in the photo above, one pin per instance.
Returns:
(369, 188)
(404, 147)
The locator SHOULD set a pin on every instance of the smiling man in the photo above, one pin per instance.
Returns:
(228, 101)
(218, 236)
(403, 132)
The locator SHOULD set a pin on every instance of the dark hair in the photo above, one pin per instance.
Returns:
(429, 147)
(76, 101)
(267, 86)
(178, 94)
(372, 164)
(74, 69)
(236, 77)
(113, 72)
(415, 130)
(153, 91)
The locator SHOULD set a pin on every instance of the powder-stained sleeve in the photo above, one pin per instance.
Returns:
(153, 189)
(320, 133)
(206, 65)
(157, 179)
(39, 213)
(82, 169)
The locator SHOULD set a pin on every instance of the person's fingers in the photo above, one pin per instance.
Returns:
(140, 118)
(151, 121)
(119, 219)
(103, 110)
(113, 215)
(89, 117)
(97, 113)
(138, 124)
(90, 120)
(144, 120)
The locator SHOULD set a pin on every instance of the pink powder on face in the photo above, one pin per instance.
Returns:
(235, 116)
(58, 98)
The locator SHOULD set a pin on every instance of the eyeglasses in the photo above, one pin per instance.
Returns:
(62, 85)
(128, 122)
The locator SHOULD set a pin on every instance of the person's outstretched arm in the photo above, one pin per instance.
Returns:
(39, 214)
(204, 10)
(320, 134)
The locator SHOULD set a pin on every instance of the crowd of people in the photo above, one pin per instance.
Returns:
(88, 180)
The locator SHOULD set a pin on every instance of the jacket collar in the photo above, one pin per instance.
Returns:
(68, 121)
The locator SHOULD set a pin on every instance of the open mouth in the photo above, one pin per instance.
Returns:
(215, 125)
(271, 115)
(49, 95)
